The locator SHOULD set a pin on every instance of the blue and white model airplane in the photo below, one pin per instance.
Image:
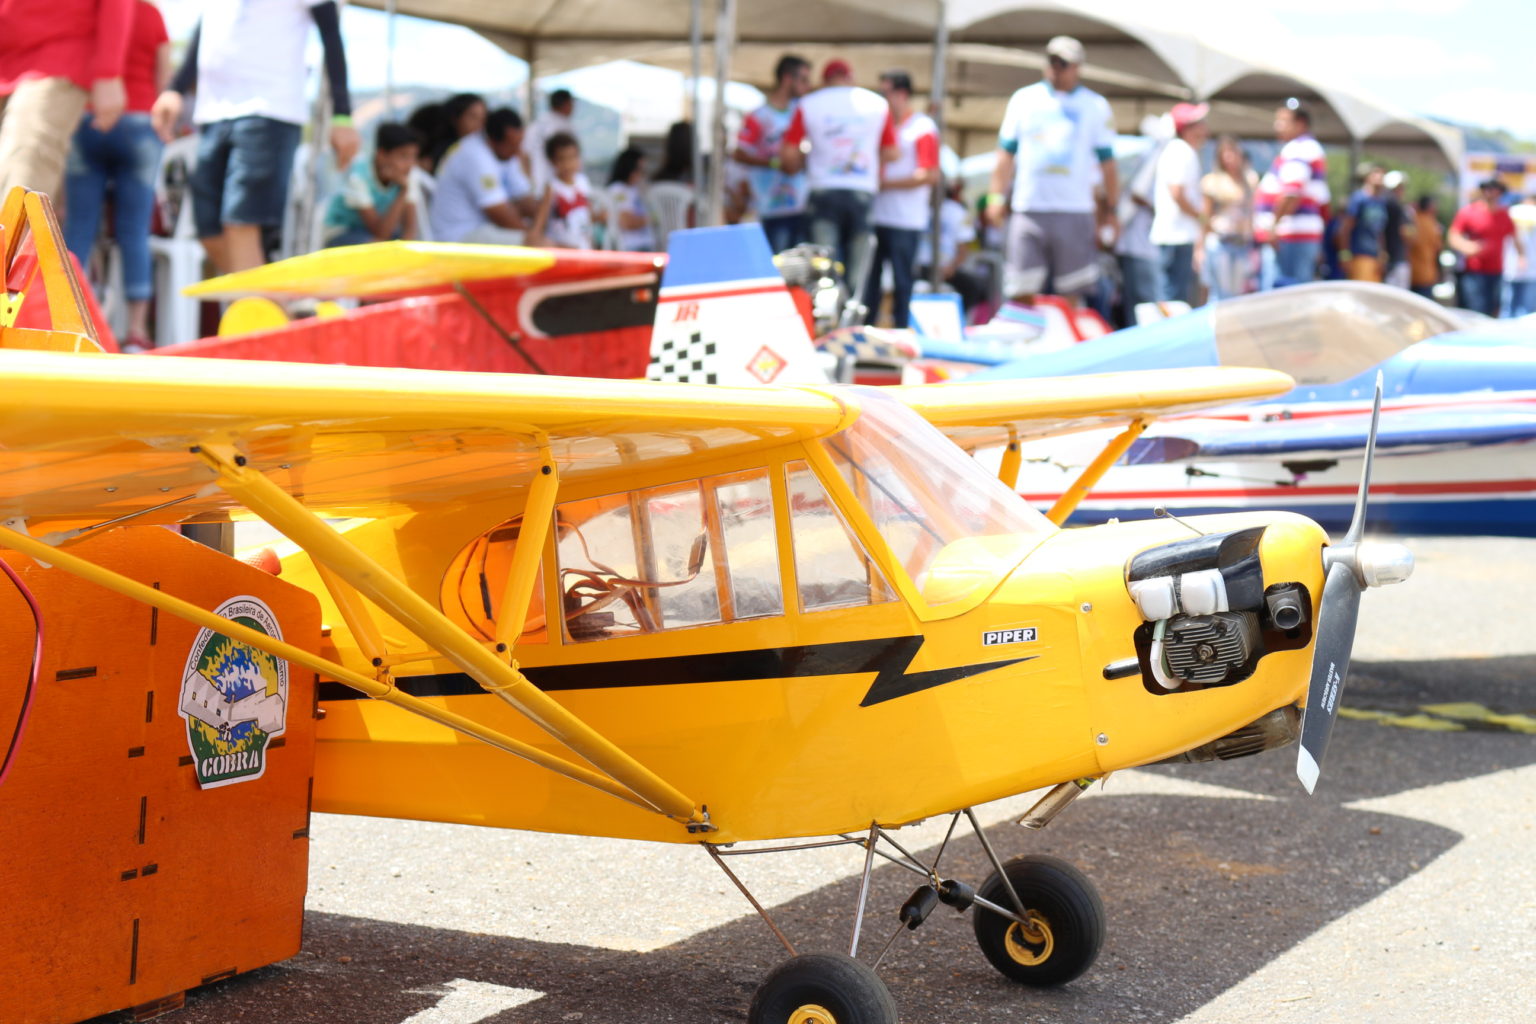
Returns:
(1457, 443)
(1457, 448)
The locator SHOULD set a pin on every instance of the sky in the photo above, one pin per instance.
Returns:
(1467, 60)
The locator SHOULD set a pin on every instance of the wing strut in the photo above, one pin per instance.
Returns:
(88, 570)
(1013, 459)
(1095, 470)
(495, 671)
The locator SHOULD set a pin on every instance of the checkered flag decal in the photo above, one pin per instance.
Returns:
(684, 361)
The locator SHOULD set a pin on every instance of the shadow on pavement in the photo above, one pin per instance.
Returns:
(1367, 759)
(1199, 892)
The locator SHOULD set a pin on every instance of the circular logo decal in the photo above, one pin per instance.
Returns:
(234, 697)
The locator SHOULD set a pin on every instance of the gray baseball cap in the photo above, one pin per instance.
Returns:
(1067, 48)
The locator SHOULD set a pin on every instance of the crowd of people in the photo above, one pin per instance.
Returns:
(1180, 233)
(88, 97)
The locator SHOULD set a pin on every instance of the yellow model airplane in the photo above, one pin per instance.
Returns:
(701, 614)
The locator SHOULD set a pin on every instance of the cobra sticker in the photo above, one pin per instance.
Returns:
(234, 697)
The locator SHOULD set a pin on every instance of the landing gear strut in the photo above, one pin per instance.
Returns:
(1038, 920)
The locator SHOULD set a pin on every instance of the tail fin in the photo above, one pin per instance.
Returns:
(724, 315)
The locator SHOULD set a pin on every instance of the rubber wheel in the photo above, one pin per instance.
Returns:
(822, 988)
(1068, 917)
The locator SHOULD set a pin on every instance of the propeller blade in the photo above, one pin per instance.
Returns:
(1357, 524)
(1336, 616)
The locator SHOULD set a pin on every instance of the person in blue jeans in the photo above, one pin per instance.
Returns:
(123, 160)
(246, 67)
(903, 208)
(840, 135)
(127, 158)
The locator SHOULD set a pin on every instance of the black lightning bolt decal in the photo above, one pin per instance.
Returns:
(895, 681)
(887, 657)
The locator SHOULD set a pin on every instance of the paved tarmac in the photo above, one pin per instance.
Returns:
(1404, 890)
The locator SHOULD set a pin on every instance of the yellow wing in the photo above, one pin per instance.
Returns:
(92, 437)
(395, 268)
(986, 414)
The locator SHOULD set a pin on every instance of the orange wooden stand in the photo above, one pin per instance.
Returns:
(122, 882)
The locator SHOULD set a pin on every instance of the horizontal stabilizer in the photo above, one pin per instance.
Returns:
(724, 315)
(405, 268)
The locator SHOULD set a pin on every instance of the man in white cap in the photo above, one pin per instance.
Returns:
(1056, 139)
(1178, 213)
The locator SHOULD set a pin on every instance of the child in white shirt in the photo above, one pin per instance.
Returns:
(564, 220)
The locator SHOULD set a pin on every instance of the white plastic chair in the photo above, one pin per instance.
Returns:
(612, 230)
(177, 260)
(668, 205)
(423, 187)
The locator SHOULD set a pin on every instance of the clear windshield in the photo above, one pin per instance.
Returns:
(954, 528)
(1325, 332)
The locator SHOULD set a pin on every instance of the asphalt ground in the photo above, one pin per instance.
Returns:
(1404, 890)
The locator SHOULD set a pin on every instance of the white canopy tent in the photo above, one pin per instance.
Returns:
(988, 49)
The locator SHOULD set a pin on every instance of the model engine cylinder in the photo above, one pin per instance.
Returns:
(1210, 649)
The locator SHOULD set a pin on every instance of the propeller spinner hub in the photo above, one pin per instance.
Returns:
(1379, 564)
(1373, 563)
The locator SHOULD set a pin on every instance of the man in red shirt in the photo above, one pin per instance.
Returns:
(903, 208)
(1478, 233)
(55, 55)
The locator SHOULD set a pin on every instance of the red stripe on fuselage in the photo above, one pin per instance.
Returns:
(1329, 491)
(699, 296)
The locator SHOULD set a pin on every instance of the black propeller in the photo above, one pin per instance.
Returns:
(1351, 567)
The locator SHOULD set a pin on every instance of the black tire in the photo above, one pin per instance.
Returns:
(824, 988)
(1068, 908)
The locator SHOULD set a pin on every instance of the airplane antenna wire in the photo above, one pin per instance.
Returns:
(32, 673)
(1163, 513)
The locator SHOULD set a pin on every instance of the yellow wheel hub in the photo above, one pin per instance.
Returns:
(1030, 946)
(810, 1013)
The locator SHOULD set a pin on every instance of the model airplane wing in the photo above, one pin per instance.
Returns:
(985, 414)
(97, 437)
(400, 268)
(1404, 432)
(93, 438)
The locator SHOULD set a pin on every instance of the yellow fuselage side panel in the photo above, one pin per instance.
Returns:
(775, 754)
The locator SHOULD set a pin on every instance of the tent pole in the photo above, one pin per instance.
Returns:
(696, 48)
(530, 54)
(391, 15)
(725, 42)
(936, 105)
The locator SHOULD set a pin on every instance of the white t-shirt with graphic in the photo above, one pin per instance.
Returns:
(570, 214)
(1057, 140)
(250, 60)
(774, 193)
(847, 127)
(917, 144)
